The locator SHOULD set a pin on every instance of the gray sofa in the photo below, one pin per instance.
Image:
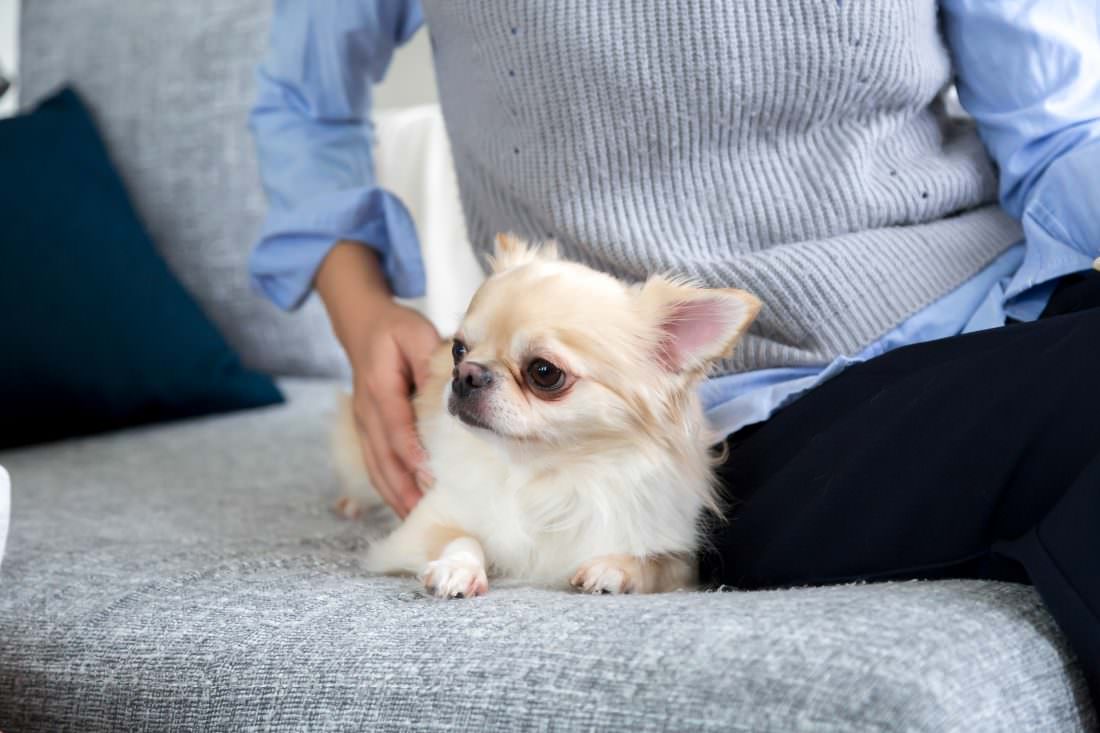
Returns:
(189, 576)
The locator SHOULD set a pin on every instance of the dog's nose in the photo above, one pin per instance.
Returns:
(470, 376)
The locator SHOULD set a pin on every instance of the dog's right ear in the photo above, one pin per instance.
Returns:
(511, 251)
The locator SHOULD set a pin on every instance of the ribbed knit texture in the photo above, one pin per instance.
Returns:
(794, 148)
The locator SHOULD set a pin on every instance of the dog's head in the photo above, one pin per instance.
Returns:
(554, 353)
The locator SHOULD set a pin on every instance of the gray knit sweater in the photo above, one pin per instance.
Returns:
(794, 148)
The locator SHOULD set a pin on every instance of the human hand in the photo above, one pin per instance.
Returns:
(388, 362)
(389, 347)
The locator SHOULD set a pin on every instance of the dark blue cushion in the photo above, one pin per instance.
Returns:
(95, 331)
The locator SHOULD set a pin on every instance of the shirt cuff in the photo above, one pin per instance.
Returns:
(295, 242)
(1059, 220)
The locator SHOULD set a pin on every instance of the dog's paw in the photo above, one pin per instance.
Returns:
(607, 575)
(455, 577)
(348, 508)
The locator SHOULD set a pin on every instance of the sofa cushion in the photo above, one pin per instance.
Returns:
(95, 332)
(170, 84)
(191, 577)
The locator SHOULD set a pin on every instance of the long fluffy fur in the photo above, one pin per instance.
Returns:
(557, 491)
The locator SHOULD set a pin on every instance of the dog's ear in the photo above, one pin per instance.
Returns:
(697, 325)
(511, 251)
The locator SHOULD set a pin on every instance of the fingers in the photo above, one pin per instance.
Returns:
(397, 416)
(396, 483)
(391, 431)
(374, 469)
(392, 361)
(420, 373)
(417, 344)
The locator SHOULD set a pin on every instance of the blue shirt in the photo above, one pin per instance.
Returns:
(1026, 72)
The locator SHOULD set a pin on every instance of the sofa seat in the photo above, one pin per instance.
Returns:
(191, 577)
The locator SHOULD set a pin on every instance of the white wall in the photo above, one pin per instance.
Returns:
(410, 80)
(9, 50)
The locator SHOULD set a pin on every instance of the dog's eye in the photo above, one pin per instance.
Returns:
(458, 351)
(544, 376)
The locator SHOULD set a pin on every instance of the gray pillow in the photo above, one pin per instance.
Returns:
(170, 85)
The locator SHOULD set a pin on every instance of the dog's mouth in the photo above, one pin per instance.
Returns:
(456, 408)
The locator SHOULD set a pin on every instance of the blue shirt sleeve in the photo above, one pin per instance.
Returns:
(311, 123)
(1029, 74)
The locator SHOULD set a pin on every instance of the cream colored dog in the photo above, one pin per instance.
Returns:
(564, 433)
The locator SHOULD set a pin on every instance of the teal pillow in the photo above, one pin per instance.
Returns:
(95, 331)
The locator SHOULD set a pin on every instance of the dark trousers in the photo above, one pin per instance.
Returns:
(976, 456)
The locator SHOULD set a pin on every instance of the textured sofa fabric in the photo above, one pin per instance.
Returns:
(170, 85)
(5, 510)
(191, 577)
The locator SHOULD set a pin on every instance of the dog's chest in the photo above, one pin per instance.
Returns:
(536, 530)
(541, 541)
(541, 524)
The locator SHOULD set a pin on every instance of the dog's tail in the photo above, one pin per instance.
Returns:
(357, 495)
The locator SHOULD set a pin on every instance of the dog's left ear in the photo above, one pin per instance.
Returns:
(511, 251)
(697, 325)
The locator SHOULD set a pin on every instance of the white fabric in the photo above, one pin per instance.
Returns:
(413, 160)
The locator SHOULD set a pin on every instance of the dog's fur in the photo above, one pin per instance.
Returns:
(599, 484)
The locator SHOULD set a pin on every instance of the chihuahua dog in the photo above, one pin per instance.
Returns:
(564, 432)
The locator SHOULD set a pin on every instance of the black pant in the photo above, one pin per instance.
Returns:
(976, 456)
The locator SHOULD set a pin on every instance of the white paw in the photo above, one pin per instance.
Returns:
(348, 508)
(604, 575)
(455, 577)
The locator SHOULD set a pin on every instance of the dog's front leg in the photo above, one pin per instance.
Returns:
(459, 571)
(632, 574)
(449, 562)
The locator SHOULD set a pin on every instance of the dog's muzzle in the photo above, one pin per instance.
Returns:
(471, 383)
(470, 378)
